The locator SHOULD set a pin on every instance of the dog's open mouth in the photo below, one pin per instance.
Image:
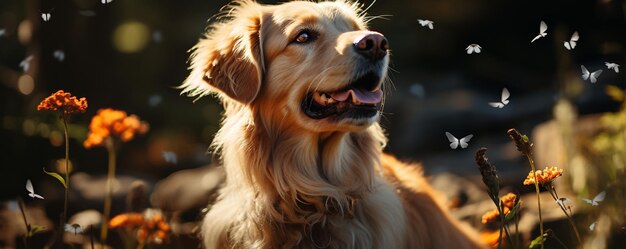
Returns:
(360, 99)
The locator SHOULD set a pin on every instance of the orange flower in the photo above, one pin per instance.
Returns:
(492, 215)
(508, 201)
(491, 238)
(130, 220)
(151, 226)
(109, 122)
(63, 101)
(543, 176)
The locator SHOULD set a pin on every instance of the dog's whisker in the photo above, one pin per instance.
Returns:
(364, 11)
(321, 77)
(393, 70)
(372, 18)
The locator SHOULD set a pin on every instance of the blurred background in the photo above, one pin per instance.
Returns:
(131, 55)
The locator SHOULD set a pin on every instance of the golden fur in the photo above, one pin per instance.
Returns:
(296, 182)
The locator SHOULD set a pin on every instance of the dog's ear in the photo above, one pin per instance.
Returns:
(228, 61)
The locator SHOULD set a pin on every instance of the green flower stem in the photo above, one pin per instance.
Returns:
(571, 222)
(67, 171)
(532, 167)
(558, 240)
(504, 226)
(110, 146)
(500, 237)
(517, 236)
(555, 196)
(28, 228)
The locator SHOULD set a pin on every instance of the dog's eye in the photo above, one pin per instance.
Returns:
(305, 36)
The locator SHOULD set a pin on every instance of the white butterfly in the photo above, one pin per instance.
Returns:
(564, 202)
(106, 1)
(455, 142)
(571, 44)
(593, 77)
(596, 200)
(170, 157)
(543, 27)
(73, 228)
(59, 54)
(473, 48)
(425, 23)
(2, 32)
(46, 16)
(613, 66)
(25, 64)
(31, 192)
(592, 226)
(504, 99)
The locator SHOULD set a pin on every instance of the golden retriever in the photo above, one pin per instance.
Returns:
(301, 84)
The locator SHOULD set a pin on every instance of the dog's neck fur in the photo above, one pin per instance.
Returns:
(309, 196)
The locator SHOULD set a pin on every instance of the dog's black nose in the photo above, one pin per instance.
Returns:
(373, 46)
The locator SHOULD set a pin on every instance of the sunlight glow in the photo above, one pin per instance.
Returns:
(131, 37)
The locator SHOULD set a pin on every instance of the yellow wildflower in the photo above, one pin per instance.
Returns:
(150, 226)
(508, 201)
(109, 122)
(543, 176)
(63, 101)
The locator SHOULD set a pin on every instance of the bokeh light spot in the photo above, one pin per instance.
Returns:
(25, 32)
(131, 37)
(25, 84)
(417, 90)
(155, 100)
(43, 130)
(59, 166)
(56, 138)
(28, 127)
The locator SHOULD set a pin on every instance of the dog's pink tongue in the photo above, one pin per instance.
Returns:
(361, 95)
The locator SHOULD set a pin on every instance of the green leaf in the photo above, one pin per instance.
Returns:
(536, 243)
(57, 176)
(35, 229)
(514, 211)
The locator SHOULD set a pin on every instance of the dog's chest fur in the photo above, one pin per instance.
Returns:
(281, 192)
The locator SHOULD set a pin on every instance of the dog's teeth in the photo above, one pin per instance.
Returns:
(323, 98)
(328, 99)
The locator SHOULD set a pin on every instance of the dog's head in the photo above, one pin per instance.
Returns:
(315, 64)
